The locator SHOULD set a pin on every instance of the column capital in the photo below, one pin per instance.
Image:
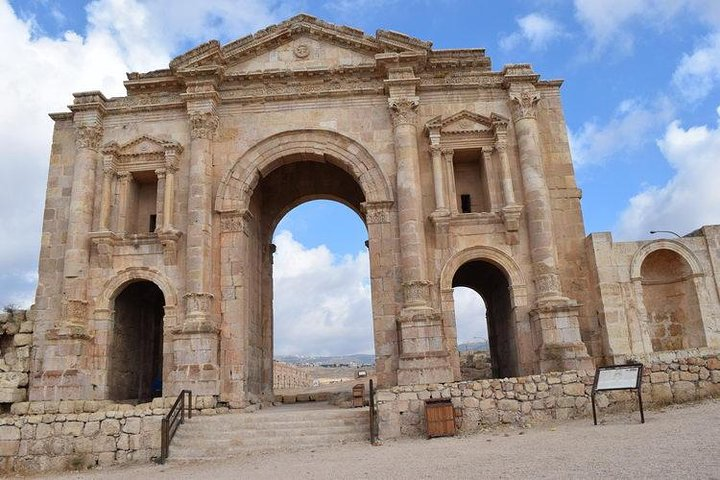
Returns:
(203, 124)
(524, 103)
(436, 149)
(447, 152)
(403, 110)
(124, 175)
(88, 136)
(160, 172)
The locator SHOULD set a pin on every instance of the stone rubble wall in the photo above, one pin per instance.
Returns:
(673, 377)
(75, 434)
(290, 376)
(16, 330)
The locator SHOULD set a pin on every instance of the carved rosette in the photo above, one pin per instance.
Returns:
(403, 111)
(416, 293)
(88, 136)
(524, 104)
(377, 212)
(203, 124)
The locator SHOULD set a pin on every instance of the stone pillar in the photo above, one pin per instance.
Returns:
(448, 154)
(507, 185)
(123, 194)
(160, 199)
(423, 357)
(196, 341)
(439, 181)
(106, 202)
(554, 317)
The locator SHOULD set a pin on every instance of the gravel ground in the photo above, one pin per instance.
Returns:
(674, 442)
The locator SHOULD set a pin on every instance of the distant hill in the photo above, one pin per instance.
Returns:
(482, 345)
(357, 358)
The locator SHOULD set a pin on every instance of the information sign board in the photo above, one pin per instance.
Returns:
(619, 377)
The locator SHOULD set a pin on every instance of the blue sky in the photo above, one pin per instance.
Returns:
(640, 96)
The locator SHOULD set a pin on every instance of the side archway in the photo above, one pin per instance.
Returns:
(496, 277)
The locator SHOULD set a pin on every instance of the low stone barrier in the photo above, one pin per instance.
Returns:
(67, 435)
(672, 377)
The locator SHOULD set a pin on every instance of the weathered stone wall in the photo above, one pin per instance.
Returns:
(16, 327)
(671, 377)
(76, 434)
(290, 376)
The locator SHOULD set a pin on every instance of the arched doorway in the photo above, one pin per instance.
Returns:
(492, 285)
(674, 321)
(267, 181)
(135, 343)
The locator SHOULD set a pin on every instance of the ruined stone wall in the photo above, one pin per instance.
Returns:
(670, 377)
(290, 376)
(16, 327)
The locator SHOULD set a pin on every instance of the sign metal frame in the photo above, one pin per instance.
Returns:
(636, 386)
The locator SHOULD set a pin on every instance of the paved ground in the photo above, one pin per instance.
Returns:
(675, 442)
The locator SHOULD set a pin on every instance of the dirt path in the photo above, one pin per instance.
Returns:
(675, 442)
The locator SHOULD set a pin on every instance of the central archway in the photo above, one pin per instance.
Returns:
(269, 180)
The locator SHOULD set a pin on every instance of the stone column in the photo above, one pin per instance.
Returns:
(168, 223)
(554, 317)
(106, 202)
(537, 196)
(423, 357)
(438, 181)
(160, 199)
(507, 185)
(448, 154)
(77, 253)
(123, 193)
(196, 340)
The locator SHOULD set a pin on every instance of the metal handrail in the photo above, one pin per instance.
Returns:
(170, 422)
(373, 415)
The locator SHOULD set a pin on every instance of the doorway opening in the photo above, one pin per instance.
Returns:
(492, 289)
(135, 369)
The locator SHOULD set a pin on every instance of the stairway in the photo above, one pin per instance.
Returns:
(286, 427)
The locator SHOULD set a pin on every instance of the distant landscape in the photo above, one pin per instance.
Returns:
(359, 359)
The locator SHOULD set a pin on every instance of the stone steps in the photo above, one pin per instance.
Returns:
(287, 427)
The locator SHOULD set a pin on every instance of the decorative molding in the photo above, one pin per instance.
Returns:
(416, 293)
(235, 222)
(203, 125)
(88, 136)
(377, 212)
(524, 103)
(403, 111)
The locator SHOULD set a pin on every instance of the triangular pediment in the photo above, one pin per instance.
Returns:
(465, 122)
(300, 43)
(142, 145)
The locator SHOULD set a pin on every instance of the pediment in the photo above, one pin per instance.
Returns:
(465, 122)
(300, 43)
(142, 145)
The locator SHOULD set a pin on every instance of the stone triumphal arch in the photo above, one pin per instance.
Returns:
(161, 205)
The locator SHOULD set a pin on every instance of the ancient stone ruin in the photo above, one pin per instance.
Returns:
(156, 260)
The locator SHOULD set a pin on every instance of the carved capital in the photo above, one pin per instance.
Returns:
(377, 212)
(447, 153)
(524, 103)
(88, 136)
(234, 221)
(203, 124)
(403, 111)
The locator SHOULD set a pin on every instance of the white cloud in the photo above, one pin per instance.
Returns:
(470, 315)
(40, 73)
(613, 24)
(691, 198)
(699, 72)
(629, 129)
(536, 29)
(322, 302)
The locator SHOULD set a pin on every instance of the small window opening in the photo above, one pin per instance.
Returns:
(465, 203)
(153, 223)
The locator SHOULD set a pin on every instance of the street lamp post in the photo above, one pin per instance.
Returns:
(652, 232)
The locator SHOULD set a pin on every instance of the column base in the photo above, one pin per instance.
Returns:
(423, 358)
(556, 324)
(195, 360)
